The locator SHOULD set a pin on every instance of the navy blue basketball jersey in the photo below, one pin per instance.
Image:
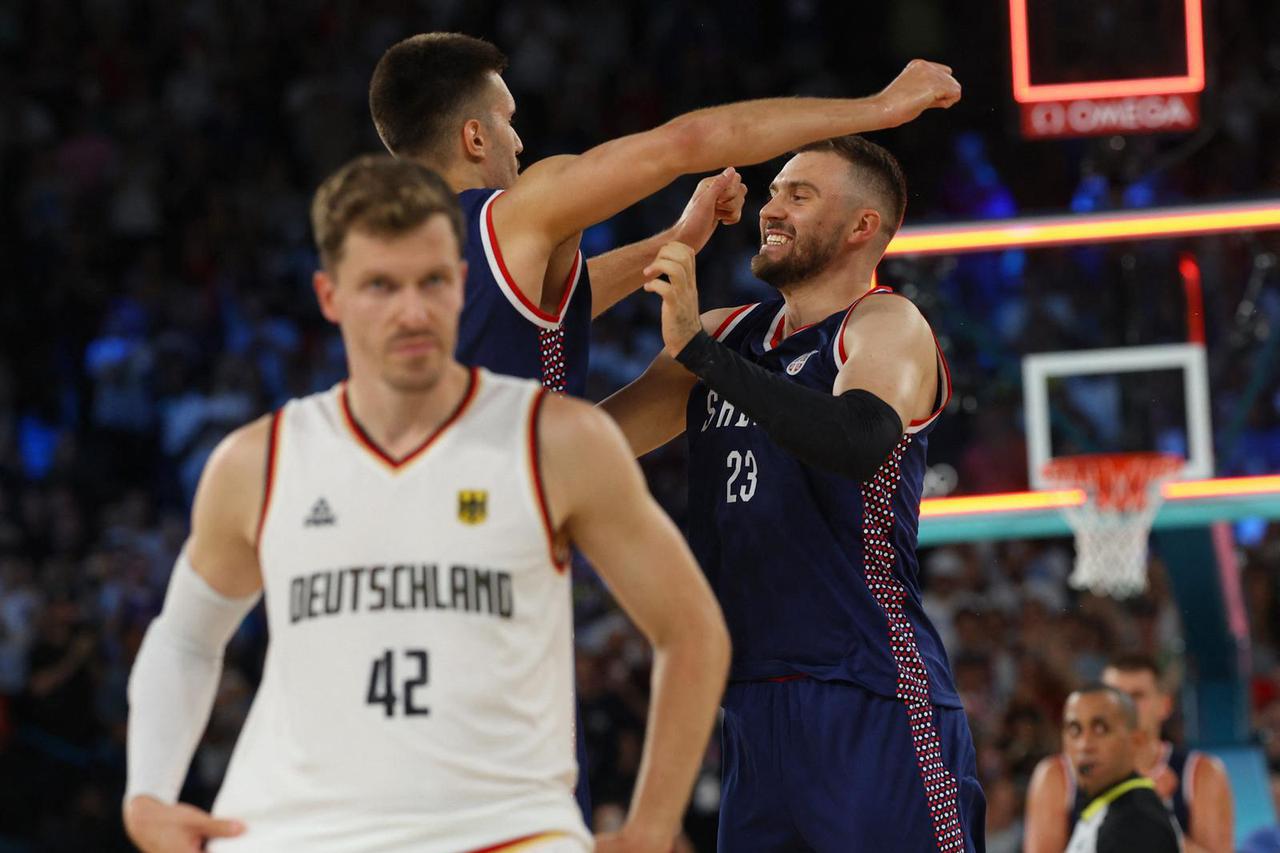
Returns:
(816, 573)
(502, 330)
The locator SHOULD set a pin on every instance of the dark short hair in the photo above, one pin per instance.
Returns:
(381, 195)
(421, 84)
(1128, 710)
(877, 169)
(1136, 662)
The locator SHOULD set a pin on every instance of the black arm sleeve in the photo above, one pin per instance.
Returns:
(851, 434)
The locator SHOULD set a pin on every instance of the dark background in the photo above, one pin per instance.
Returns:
(157, 161)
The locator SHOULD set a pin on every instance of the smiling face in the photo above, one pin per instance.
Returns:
(397, 299)
(813, 216)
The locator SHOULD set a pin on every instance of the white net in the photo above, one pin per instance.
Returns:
(1113, 525)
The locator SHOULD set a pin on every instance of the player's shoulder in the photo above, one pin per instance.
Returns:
(880, 304)
(243, 449)
(234, 479)
(1206, 767)
(1050, 774)
(576, 432)
(882, 316)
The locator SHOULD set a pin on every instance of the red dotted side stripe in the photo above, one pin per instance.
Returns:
(554, 371)
(940, 786)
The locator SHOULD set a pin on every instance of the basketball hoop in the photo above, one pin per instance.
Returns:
(1122, 495)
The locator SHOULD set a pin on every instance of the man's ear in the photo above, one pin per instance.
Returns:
(474, 142)
(867, 225)
(326, 295)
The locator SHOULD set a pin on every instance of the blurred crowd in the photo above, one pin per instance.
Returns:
(158, 160)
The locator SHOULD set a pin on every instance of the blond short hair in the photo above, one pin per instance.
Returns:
(380, 195)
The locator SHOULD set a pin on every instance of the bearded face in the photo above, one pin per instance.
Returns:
(791, 252)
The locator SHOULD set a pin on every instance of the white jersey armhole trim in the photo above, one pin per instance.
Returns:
(508, 286)
(733, 320)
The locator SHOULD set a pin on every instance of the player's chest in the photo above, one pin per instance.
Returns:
(712, 417)
(459, 505)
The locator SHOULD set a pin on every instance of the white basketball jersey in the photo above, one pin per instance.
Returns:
(418, 688)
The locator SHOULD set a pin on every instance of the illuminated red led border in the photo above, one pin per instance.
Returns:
(1024, 92)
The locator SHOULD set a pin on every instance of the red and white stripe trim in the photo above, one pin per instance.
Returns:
(773, 334)
(837, 344)
(736, 316)
(497, 266)
(944, 376)
(944, 370)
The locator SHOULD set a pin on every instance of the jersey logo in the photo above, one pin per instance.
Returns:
(473, 506)
(321, 515)
(798, 364)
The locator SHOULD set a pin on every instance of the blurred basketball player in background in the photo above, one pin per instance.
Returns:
(808, 417)
(1192, 784)
(1122, 812)
(409, 531)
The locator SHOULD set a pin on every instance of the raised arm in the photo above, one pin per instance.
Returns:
(651, 410)
(641, 555)
(557, 197)
(215, 582)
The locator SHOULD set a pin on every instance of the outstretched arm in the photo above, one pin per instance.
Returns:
(215, 582)
(640, 554)
(618, 273)
(560, 196)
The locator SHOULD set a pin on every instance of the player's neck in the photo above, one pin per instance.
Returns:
(399, 421)
(460, 176)
(817, 298)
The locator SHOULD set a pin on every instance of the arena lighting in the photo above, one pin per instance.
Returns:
(1223, 487)
(1025, 92)
(1085, 228)
(1004, 502)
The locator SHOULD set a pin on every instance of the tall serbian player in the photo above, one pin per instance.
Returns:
(408, 531)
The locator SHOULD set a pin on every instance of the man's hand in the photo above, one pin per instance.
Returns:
(157, 827)
(717, 199)
(679, 292)
(921, 86)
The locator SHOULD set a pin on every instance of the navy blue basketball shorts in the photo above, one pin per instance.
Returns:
(830, 767)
